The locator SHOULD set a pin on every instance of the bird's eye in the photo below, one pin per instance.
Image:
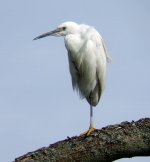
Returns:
(64, 28)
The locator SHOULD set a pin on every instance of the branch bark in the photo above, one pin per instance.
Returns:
(113, 142)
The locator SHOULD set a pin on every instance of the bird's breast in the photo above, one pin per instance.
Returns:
(73, 43)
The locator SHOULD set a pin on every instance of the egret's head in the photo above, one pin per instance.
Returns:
(62, 30)
(68, 28)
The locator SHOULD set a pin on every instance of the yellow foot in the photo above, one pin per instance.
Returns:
(87, 133)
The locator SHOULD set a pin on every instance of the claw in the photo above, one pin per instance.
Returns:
(89, 132)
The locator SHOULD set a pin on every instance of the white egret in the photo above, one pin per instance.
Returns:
(87, 61)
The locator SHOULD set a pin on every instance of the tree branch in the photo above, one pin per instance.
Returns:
(113, 142)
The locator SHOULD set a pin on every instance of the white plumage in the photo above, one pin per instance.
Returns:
(87, 60)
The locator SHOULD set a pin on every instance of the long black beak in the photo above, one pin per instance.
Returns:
(50, 33)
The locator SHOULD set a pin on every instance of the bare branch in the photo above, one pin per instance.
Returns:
(127, 139)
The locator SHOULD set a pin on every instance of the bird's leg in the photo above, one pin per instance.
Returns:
(91, 128)
(91, 116)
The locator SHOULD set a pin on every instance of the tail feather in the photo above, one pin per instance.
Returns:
(95, 95)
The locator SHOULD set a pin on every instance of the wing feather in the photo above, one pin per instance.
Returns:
(75, 72)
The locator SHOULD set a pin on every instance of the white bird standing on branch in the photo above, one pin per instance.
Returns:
(87, 61)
